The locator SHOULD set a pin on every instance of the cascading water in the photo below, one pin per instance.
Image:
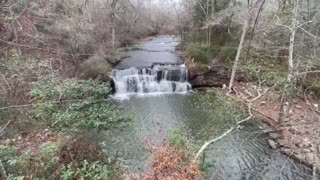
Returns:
(156, 79)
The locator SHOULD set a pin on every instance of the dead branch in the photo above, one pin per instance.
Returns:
(206, 144)
(5, 80)
(16, 107)
(5, 126)
(41, 49)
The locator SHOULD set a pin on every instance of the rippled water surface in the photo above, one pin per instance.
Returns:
(244, 154)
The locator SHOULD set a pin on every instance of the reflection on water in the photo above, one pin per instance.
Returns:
(243, 154)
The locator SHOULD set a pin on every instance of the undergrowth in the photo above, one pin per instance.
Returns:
(76, 105)
(63, 151)
(266, 71)
(202, 53)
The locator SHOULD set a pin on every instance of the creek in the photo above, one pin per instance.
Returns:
(152, 87)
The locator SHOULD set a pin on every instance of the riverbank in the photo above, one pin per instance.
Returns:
(296, 136)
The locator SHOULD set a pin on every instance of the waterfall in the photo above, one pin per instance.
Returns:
(157, 79)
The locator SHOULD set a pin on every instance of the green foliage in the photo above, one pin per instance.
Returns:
(116, 56)
(179, 137)
(202, 53)
(8, 153)
(27, 165)
(86, 170)
(12, 177)
(266, 71)
(90, 47)
(72, 105)
(228, 53)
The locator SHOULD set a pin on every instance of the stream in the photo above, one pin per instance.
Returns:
(152, 87)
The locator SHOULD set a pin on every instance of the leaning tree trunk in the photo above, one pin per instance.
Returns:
(236, 61)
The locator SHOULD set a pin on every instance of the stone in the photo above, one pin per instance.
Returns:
(272, 144)
(224, 86)
(263, 103)
(298, 107)
(306, 150)
(274, 135)
(295, 101)
(282, 142)
(298, 156)
(309, 157)
(294, 131)
(287, 151)
(299, 145)
(306, 142)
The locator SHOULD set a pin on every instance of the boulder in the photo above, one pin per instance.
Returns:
(274, 135)
(96, 67)
(272, 144)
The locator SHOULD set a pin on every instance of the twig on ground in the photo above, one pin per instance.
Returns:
(4, 127)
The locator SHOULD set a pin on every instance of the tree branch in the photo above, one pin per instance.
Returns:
(206, 144)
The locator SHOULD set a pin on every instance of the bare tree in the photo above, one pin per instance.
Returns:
(253, 8)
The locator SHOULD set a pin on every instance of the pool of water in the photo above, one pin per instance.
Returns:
(243, 154)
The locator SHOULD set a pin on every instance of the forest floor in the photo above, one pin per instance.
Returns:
(296, 136)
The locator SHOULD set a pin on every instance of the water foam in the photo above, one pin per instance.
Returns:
(156, 80)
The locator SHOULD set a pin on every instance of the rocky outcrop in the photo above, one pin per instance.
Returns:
(215, 74)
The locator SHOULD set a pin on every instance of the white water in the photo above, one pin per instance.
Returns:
(158, 79)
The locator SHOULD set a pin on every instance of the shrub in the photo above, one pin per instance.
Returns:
(85, 170)
(202, 53)
(171, 162)
(90, 47)
(266, 71)
(76, 105)
(228, 53)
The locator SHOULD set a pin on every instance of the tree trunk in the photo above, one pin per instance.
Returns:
(291, 79)
(210, 36)
(236, 61)
(113, 33)
(113, 19)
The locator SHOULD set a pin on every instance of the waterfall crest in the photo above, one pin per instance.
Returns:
(157, 79)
